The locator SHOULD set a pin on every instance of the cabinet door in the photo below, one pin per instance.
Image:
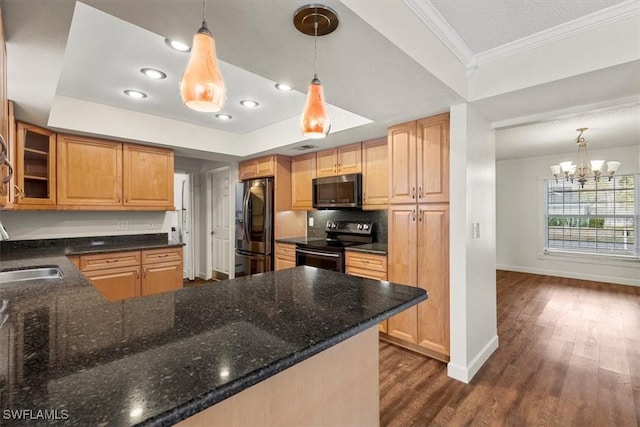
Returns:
(161, 277)
(402, 267)
(35, 167)
(7, 191)
(303, 170)
(147, 177)
(116, 283)
(326, 163)
(433, 276)
(89, 171)
(433, 159)
(402, 163)
(375, 172)
(265, 166)
(247, 170)
(349, 159)
(284, 263)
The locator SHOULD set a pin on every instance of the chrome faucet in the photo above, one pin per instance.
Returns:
(4, 235)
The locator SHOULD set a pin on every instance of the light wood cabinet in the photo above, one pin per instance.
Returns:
(339, 161)
(124, 275)
(161, 270)
(35, 167)
(257, 168)
(419, 231)
(419, 161)
(369, 266)
(375, 181)
(303, 170)
(147, 177)
(285, 256)
(89, 171)
(8, 190)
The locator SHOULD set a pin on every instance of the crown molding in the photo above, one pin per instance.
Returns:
(430, 16)
(583, 24)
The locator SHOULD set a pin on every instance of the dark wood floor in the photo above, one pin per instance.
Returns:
(569, 355)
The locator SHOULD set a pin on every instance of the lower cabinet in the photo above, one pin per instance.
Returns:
(369, 266)
(124, 275)
(285, 256)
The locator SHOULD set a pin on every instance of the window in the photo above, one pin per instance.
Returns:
(601, 218)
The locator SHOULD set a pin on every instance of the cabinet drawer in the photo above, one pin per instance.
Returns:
(286, 251)
(110, 260)
(367, 274)
(161, 255)
(366, 261)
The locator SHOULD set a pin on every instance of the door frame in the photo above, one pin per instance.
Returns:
(232, 171)
(193, 219)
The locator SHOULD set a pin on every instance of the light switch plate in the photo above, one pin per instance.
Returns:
(310, 221)
(476, 230)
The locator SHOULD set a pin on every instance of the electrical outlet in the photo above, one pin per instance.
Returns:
(122, 225)
(476, 230)
(310, 221)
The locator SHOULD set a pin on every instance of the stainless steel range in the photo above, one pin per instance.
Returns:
(328, 253)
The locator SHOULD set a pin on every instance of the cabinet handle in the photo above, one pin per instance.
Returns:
(109, 261)
(420, 215)
(413, 213)
(144, 272)
(420, 191)
(413, 192)
(163, 255)
(137, 274)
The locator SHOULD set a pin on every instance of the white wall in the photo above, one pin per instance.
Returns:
(30, 225)
(472, 261)
(520, 225)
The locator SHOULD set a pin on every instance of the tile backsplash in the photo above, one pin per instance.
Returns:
(320, 218)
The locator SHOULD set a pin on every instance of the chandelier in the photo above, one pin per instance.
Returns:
(585, 169)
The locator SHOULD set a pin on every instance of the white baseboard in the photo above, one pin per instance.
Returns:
(466, 373)
(571, 275)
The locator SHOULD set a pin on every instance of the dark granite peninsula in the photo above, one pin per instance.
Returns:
(299, 345)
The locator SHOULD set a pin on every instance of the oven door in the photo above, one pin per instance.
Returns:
(327, 260)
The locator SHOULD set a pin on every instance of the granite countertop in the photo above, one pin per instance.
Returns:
(295, 240)
(44, 248)
(158, 359)
(371, 248)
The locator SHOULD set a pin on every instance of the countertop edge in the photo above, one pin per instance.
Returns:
(209, 399)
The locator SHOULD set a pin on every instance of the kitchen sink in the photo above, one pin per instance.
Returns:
(30, 273)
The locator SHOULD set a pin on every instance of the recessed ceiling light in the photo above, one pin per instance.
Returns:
(283, 86)
(152, 73)
(249, 103)
(223, 116)
(135, 93)
(176, 45)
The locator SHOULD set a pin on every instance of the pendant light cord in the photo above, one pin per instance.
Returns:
(204, 12)
(315, 48)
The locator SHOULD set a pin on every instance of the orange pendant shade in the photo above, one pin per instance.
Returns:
(315, 121)
(202, 87)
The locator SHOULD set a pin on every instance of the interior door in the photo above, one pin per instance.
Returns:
(220, 222)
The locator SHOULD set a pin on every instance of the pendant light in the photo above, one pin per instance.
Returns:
(202, 87)
(316, 20)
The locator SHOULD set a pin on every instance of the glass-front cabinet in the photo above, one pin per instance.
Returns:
(36, 169)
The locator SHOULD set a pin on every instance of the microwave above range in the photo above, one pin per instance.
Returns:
(337, 192)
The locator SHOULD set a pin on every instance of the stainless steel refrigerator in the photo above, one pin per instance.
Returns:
(254, 226)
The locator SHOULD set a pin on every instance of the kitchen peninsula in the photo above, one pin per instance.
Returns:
(297, 346)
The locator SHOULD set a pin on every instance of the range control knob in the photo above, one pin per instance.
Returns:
(333, 225)
(366, 227)
(360, 226)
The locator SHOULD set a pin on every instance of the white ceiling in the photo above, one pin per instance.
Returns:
(94, 51)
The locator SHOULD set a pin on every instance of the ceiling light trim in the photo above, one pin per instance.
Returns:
(579, 25)
(430, 16)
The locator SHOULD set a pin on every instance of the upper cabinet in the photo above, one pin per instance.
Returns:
(147, 177)
(257, 168)
(303, 170)
(7, 169)
(419, 167)
(375, 169)
(89, 171)
(35, 167)
(339, 161)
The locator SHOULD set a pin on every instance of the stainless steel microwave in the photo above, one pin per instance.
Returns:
(334, 192)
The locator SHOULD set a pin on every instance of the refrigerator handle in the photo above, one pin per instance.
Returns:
(245, 213)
